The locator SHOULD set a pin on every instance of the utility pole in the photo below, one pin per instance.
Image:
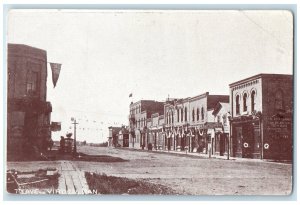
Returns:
(75, 146)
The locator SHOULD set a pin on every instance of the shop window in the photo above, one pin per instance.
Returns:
(237, 104)
(252, 101)
(245, 102)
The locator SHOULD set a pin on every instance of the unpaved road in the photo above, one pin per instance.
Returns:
(196, 176)
(186, 175)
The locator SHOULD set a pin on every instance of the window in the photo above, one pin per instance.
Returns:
(198, 114)
(32, 82)
(193, 117)
(252, 101)
(202, 113)
(177, 115)
(218, 118)
(172, 117)
(167, 118)
(245, 102)
(185, 114)
(237, 104)
(181, 114)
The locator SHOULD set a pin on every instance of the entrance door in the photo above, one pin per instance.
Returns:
(248, 141)
(222, 144)
(237, 142)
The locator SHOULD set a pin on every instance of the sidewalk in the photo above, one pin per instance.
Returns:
(206, 156)
(71, 180)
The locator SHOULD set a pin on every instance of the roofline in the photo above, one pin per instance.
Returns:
(200, 96)
(261, 75)
(140, 101)
(24, 45)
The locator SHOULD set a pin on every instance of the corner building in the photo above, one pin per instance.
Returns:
(261, 123)
(28, 112)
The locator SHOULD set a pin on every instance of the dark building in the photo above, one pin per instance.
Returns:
(28, 112)
(261, 124)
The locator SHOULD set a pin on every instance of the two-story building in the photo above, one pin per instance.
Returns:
(189, 123)
(261, 124)
(28, 112)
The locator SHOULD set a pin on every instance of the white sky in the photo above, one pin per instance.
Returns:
(106, 56)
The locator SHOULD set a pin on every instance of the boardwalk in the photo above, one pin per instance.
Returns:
(72, 180)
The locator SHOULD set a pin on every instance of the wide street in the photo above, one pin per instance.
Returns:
(190, 175)
(185, 174)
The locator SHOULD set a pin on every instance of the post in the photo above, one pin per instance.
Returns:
(228, 143)
(75, 146)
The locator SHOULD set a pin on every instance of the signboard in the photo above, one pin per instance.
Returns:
(55, 126)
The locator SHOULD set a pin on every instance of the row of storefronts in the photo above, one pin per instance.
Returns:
(254, 121)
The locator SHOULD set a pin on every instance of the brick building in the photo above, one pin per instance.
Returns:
(28, 112)
(261, 124)
(189, 123)
(139, 113)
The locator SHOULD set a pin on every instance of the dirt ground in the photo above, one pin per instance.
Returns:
(192, 176)
(187, 175)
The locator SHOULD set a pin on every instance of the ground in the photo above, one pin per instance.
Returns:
(185, 174)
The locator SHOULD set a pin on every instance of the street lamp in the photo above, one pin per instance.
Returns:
(75, 147)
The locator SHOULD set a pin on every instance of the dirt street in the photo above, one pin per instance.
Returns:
(196, 176)
(186, 175)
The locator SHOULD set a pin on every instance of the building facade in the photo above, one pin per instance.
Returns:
(28, 112)
(139, 113)
(261, 124)
(113, 136)
(189, 123)
(221, 114)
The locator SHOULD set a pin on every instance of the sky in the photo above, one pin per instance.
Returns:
(106, 55)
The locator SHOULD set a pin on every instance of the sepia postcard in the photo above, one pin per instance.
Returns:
(149, 102)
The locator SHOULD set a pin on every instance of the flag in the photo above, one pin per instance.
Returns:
(55, 67)
(130, 95)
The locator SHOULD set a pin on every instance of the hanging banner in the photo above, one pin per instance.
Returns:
(55, 67)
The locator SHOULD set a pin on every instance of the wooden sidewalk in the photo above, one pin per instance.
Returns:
(72, 180)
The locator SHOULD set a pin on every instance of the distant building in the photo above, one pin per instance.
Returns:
(261, 124)
(113, 133)
(28, 112)
(123, 137)
(139, 113)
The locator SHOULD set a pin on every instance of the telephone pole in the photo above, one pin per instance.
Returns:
(75, 146)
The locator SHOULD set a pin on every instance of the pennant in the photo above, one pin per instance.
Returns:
(55, 67)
